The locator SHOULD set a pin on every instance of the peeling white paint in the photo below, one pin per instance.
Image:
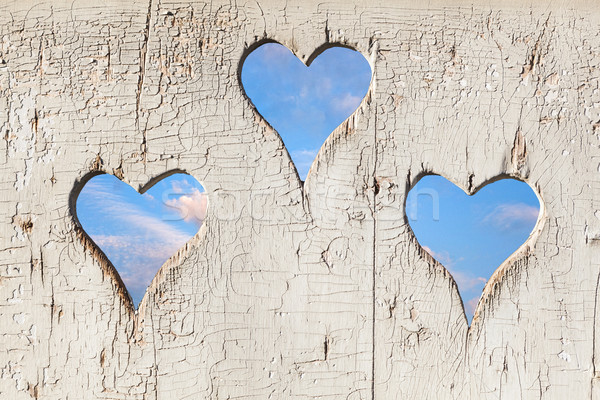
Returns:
(107, 88)
(19, 318)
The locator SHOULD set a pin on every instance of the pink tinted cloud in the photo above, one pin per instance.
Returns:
(465, 281)
(471, 305)
(441, 256)
(191, 207)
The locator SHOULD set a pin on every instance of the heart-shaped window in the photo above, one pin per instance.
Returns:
(139, 231)
(304, 104)
(471, 235)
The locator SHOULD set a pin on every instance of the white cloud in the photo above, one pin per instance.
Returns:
(100, 190)
(512, 215)
(138, 257)
(191, 207)
(130, 247)
(111, 241)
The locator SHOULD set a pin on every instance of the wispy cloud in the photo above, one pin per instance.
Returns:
(137, 258)
(303, 159)
(273, 52)
(441, 256)
(307, 155)
(181, 186)
(305, 104)
(154, 227)
(512, 216)
(348, 103)
(112, 204)
(131, 248)
(466, 281)
(321, 87)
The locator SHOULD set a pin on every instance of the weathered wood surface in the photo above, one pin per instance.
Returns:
(292, 292)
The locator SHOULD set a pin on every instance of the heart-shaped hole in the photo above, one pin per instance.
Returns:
(471, 235)
(304, 104)
(138, 232)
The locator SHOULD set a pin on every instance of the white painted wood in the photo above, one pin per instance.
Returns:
(292, 292)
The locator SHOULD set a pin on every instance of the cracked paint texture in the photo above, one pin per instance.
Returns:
(291, 291)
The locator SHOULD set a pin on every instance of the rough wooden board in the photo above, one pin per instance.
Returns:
(287, 291)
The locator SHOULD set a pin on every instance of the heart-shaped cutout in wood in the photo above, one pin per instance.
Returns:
(139, 231)
(472, 235)
(305, 103)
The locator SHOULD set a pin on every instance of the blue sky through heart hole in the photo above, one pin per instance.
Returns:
(305, 104)
(139, 232)
(471, 237)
